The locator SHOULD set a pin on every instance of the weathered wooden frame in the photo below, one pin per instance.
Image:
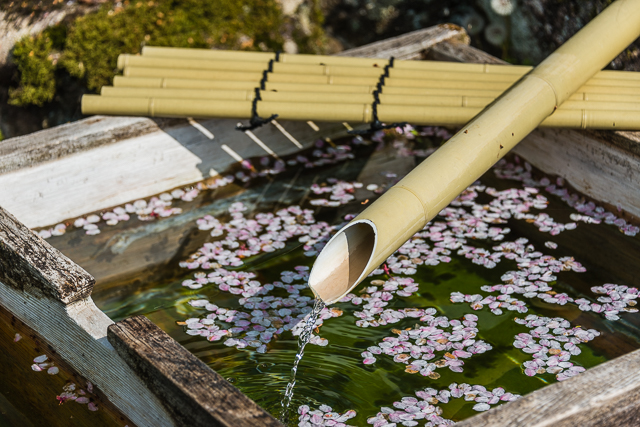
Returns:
(158, 388)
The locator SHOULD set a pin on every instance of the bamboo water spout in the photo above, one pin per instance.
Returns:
(369, 239)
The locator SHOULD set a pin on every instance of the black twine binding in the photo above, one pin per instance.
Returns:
(376, 124)
(256, 121)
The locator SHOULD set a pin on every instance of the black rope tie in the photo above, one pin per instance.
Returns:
(256, 121)
(376, 124)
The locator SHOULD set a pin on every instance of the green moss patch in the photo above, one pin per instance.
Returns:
(89, 48)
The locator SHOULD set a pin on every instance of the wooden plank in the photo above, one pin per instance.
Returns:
(55, 303)
(115, 164)
(456, 51)
(410, 45)
(105, 176)
(28, 399)
(60, 141)
(606, 395)
(29, 265)
(593, 166)
(194, 394)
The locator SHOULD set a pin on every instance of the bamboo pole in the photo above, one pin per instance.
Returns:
(203, 68)
(127, 61)
(369, 239)
(159, 82)
(575, 102)
(438, 80)
(586, 93)
(340, 80)
(357, 113)
(223, 55)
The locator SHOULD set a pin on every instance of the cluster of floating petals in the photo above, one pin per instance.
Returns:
(425, 410)
(263, 316)
(552, 342)
(161, 206)
(616, 298)
(323, 416)
(588, 211)
(473, 227)
(340, 192)
(420, 346)
(42, 363)
(244, 237)
(374, 298)
(71, 392)
(495, 304)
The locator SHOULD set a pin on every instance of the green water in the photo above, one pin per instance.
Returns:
(334, 375)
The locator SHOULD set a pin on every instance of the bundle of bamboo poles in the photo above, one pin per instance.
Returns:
(231, 84)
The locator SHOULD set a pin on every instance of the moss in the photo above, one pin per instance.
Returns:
(91, 45)
(95, 41)
(37, 71)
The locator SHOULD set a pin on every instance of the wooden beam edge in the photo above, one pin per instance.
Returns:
(64, 140)
(410, 45)
(191, 392)
(605, 395)
(31, 265)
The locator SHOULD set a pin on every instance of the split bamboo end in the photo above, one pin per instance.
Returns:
(342, 263)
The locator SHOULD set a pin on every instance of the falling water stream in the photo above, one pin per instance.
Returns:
(303, 340)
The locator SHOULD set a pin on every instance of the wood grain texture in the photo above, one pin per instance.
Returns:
(142, 161)
(38, 406)
(50, 295)
(456, 51)
(105, 176)
(31, 265)
(61, 141)
(606, 395)
(194, 394)
(77, 332)
(595, 167)
(410, 45)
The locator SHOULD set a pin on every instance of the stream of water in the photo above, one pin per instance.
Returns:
(303, 340)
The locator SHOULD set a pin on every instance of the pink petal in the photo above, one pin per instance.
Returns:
(369, 360)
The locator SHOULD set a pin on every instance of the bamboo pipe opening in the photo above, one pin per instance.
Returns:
(343, 261)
